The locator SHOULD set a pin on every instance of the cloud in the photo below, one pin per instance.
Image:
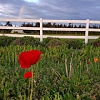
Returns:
(51, 9)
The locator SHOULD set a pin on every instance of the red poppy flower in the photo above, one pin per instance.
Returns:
(28, 58)
(28, 75)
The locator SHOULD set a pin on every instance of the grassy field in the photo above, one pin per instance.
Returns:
(61, 74)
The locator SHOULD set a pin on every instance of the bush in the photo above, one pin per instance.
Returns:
(75, 44)
(96, 43)
(54, 42)
(6, 41)
(26, 41)
(46, 40)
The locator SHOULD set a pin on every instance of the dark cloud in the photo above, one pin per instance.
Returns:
(51, 9)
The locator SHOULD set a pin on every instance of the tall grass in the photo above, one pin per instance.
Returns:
(61, 74)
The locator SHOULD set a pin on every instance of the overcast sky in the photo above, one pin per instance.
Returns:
(50, 9)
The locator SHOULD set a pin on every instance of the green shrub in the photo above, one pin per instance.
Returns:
(24, 41)
(6, 41)
(75, 44)
(90, 42)
(54, 42)
(96, 43)
(46, 40)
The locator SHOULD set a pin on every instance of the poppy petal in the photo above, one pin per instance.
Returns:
(28, 75)
(22, 62)
(28, 58)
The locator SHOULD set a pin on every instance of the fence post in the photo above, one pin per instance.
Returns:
(41, 30)
(87, 30)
